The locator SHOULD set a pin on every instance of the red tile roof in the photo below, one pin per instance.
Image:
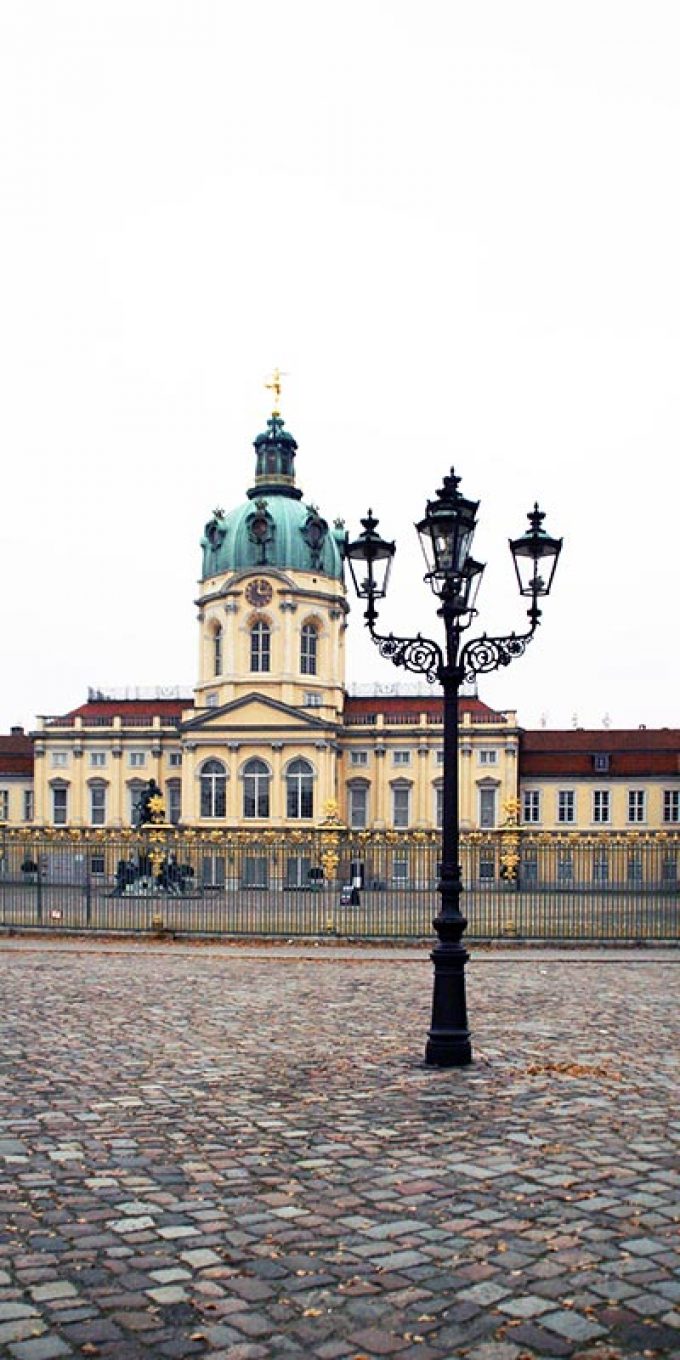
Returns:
(130, 708)
(16, 754)
(636, 751)
(393, 705)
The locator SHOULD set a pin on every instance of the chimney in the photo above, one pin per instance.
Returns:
(16, 731)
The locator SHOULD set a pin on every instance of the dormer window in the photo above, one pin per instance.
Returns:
(601, 762)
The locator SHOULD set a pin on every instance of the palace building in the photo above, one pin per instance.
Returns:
(271, 738)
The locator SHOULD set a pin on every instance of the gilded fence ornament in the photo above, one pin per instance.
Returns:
(510, 842)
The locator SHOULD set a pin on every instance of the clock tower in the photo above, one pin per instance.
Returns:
(272, 619)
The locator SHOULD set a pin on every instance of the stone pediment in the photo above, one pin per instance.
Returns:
(253, 712)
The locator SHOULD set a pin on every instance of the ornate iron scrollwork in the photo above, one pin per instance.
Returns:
(416, 654)
(487, 653)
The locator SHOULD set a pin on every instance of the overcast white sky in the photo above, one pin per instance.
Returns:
(457, 227)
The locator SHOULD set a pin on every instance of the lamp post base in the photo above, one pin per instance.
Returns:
(448, 1043)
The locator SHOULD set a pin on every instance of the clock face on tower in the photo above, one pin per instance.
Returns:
(258, 592)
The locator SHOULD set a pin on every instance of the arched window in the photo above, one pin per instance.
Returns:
(300, 789)
(217, 650)
(308, 646)
(256, 778)
(260, 650)
(213, 789)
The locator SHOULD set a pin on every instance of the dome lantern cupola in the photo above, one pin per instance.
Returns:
(273, 528)
(275, 451)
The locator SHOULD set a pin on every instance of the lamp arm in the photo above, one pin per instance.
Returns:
(484, 654)
(417, 654)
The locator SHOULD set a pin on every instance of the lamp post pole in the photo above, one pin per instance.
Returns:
(446, 533)
(448, 1042)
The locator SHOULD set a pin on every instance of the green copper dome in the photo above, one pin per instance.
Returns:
(273, 528)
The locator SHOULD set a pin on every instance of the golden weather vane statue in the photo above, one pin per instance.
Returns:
(274, 384)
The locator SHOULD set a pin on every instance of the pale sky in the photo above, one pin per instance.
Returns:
(455, 225)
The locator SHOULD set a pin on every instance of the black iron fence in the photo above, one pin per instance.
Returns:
(336, 882)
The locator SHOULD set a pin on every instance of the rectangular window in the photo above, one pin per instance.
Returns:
(98, 805)
(313, 698)
(635, 868)
(255, 872)
(565, 867)
(636, 805)
(97, 759)
(174, 801)
(175, 758)
(487, 757)
(4, 805)
(28, 805)
(439, 807)
(136, 759)
(212, 699)
(566, 805)
(308, 650)
(601, 805)
(671, 805)
(358, 807)
(358, 757)
(98, 866)
(59, 806)
(401, 807)
(401, 757)
(531, 806)
(59, 759)
(669, 870)
(260, 653)
(601, 867)
(400, 870)
(529, 869)
(487, 867)
(439, 755)
(487, 808)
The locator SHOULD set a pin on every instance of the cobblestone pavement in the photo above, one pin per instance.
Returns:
(239, 1154)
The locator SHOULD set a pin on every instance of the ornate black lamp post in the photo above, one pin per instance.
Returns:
(446, 532)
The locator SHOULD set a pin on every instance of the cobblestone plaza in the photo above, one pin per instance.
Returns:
(236, 1151)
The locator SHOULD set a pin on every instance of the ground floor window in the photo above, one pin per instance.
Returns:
(601, 867)
(255, 872)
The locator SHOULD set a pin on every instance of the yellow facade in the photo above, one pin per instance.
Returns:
(626, 803)
(271, 737)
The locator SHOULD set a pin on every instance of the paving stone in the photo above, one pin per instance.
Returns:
(329, 1197)
(20, 1328)
(527, 1306)
(14, 1308)
(572, 1326)
(40, 1348)
(55, 1289)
